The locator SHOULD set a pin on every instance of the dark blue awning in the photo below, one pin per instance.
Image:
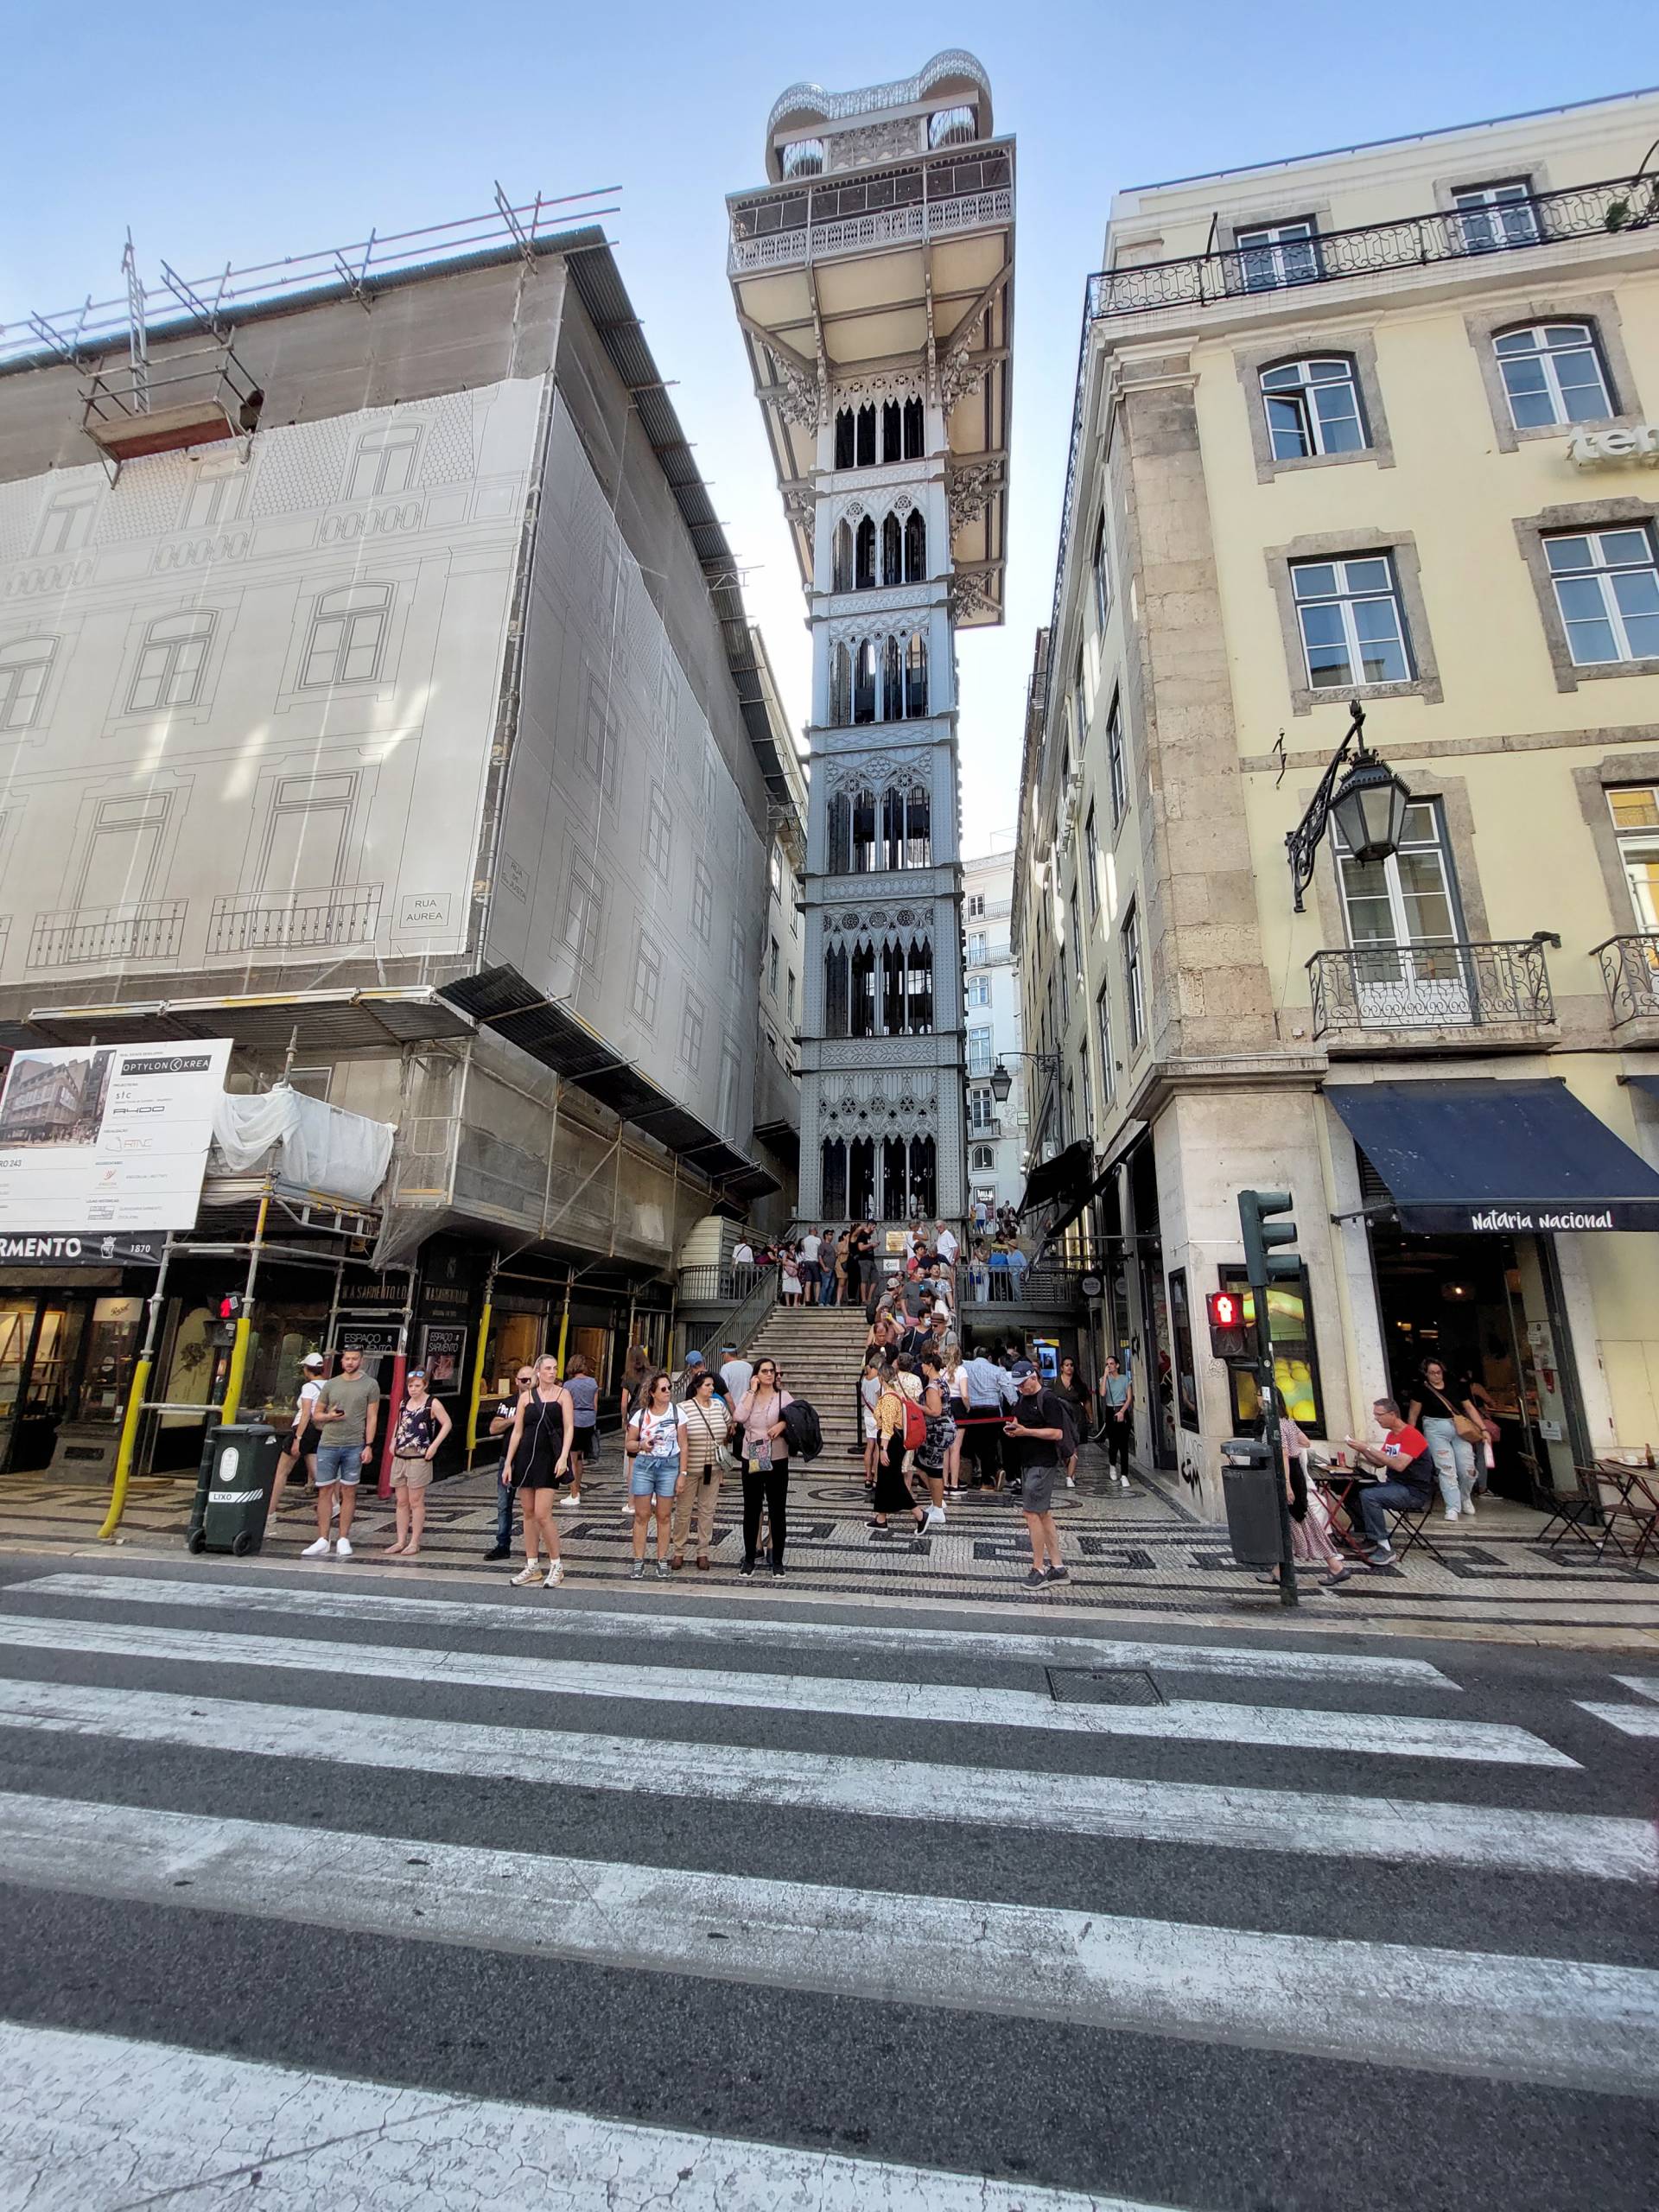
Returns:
(1515, 1156)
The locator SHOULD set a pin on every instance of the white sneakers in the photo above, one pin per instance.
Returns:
(343, 1547)
(1468, 1509)
(319, 1550)
(572, 1499)
(935, 1517)
(1070, 1482)
(554, 1576)
(1451, 1514)
(530, 1572)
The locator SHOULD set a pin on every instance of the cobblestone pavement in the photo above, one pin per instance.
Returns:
(1145, 1554)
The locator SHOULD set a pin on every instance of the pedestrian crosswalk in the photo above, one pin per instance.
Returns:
(596, 1904)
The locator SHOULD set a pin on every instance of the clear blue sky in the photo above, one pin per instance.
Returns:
(249, 134)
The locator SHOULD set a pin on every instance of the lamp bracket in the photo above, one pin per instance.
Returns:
(1302, 843)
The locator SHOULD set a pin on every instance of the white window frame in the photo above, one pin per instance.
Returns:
(584, 903)
(647, 979)
(1265, 251)
(772, 965)
(1345, 599)
(1302, 397)
(25, 672)
(659, 826)
(1586, 341)
(1408, 979)
(1116, 767)
(172, 662)
(1099, 572)
(702, 900)
(978, 992)
(1602, 571)
(979, 945)
(982, 1052)
(382, 455)
(981, 1109)
(1104, 1041)
(975, 906)
(348, 625)
(1638, 848)
(1134, 998)
(691, 1024)
(1479, 208)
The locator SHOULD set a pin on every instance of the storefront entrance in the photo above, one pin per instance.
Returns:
(1489, 1307)
(65, 1360)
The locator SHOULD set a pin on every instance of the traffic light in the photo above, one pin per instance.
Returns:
(1230, 1332)
(1262, 1233)
(230, 1307)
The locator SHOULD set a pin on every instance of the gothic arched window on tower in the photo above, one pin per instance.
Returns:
(892, 828)
(892, 694)
(919, 823)
(864, 555)
(840, 687)
(840, 828)
(893, 431)
(916, 547)
(914, 431)
(832, 1191)
(863, 832)
(860, 1178)
(845, 438)
(864, 707)
(918, 1010)
(924, 1186)
(842, 576)
(893, 990)
(893, 564)
(915, 676)
(861, 1023)
(835, 991)
(894, 1179)
(867, 437)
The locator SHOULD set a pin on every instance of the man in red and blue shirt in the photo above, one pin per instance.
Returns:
(1408, 1466)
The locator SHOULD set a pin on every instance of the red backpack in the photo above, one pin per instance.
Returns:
(915, 1426)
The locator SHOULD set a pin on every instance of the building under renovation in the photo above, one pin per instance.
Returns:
(376, 691)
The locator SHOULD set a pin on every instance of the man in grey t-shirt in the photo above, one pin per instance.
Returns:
(347, 1414)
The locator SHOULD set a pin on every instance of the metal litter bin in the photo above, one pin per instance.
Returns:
(238, 1464)
(1251, 1490)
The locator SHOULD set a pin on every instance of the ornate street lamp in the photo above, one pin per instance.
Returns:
(1370, 806)
(1003, 1081)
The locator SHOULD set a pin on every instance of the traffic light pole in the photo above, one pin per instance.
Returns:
(1263, 1267)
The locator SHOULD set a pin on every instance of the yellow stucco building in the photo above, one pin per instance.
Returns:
(1377, 426)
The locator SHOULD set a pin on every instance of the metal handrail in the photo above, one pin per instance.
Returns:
(1629, 973)
(745, 1317)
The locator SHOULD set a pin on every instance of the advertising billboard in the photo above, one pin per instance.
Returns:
(101, 1141)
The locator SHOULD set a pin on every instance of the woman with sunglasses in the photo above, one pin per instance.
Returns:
(759, 1413)
(544, 1431)
(654, 1441)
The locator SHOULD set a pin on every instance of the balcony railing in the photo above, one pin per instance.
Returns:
(1458, 235)
(1430, 986)
(1630, 968)
(104, 936)
(294, 921)
(880, 226)
(1053, 1289)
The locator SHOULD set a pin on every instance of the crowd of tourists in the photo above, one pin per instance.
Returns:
(820, 1267)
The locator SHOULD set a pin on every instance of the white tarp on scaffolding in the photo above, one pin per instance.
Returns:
(302, 1141)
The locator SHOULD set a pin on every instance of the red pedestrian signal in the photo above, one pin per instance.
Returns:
(230, 1307)
(1229, 1332)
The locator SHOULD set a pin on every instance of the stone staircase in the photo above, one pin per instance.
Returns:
(819, 1350)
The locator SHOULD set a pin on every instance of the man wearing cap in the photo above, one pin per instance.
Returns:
(294, 1443)
(681, 1386)
(1037, 1432)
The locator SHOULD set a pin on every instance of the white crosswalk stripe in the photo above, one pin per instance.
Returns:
(1185, 1720)
(229, 1794)
(80, 2108)
(636, 1627)
(1545, 2020)
(1219, 1818)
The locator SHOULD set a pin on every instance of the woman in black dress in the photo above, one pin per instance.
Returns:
(544, 1431)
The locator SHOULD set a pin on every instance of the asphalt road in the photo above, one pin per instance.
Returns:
(390, 1897)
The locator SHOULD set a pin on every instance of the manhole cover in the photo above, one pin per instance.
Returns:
(1102, 1685)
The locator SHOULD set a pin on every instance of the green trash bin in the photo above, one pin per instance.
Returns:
(238, 1464)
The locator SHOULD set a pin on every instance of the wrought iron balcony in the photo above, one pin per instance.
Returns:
(846, 214)
(1431, 987)
(294, 921)
(1458, 235)
(105, 937)
(1630, 968)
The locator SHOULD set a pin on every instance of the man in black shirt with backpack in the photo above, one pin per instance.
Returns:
(1041, 1433)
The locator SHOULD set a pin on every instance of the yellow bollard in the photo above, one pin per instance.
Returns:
(478, 1380)
(232, 1404)
(123, 1450)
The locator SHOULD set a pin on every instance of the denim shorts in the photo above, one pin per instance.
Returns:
(339, 1463)
(654, 1477)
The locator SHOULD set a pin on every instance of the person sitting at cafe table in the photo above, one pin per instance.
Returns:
(1408, 1469)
